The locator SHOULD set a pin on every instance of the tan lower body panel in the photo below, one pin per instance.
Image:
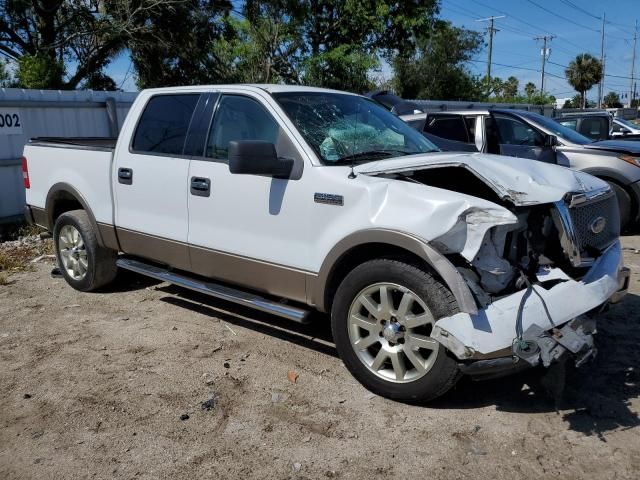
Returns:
(108, 235)
(277, 280)
(162, 250)
(261, 276)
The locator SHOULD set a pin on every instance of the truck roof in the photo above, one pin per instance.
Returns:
(267, 87)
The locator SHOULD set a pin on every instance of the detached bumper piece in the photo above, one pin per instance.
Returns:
(575, 338)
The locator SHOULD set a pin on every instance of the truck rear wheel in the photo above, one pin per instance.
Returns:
(382, 318)
(85, 265)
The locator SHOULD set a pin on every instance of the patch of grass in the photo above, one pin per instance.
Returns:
(15, 230)
(17, 258)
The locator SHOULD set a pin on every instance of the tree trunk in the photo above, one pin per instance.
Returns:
(583, 99)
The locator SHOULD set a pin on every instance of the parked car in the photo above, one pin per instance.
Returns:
(524, 134)
(593, 125)
(624, 129)
(294, 199)
(600, 125)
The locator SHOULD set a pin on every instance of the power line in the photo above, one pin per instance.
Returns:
(524, 22)
(606, 75)
(555, 14)
(580, 9)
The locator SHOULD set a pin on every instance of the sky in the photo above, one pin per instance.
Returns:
(576, 25)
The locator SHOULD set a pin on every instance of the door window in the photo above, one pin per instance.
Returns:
(595, 127)
(513, 131)
(239, 118)
(163, 125)
(451, 127)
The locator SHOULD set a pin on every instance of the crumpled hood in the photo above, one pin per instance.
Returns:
(518, 180)
(622, 146)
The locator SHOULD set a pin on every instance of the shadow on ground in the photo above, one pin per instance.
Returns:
(593, 399)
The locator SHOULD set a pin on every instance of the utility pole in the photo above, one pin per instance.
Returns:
(545, 39)
(601, 83)
(633, 63)
(491, 31)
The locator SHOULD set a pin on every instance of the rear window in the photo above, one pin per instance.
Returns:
(452, 127)
(164, 123)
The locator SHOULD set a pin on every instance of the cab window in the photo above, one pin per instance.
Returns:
(513, 131)
(164, 123)
(451, 127)
(239, 118)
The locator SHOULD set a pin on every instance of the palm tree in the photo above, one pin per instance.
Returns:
(583, 73)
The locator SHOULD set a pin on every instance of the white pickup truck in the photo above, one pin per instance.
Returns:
(290, 199)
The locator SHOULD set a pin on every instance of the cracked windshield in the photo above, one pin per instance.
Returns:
(344, 129)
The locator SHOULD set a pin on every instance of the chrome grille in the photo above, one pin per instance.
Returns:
(585, 214)
(588, 223)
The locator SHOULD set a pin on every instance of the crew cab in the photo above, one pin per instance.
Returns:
(294, 199)
(523, 134)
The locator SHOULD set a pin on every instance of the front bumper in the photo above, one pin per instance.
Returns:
(491, 332)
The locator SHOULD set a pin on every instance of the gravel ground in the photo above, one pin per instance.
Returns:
(112, 385)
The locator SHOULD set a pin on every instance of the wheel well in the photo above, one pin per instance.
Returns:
(62, 202)
(361, 254)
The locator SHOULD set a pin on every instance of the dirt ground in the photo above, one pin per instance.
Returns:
(95, 386)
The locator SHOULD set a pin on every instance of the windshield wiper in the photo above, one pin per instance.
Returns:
(370, 155)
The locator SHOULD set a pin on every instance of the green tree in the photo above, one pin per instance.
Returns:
(39, 72)
(576, 102)
(612, 100)
(583, 73)
(510, 87)
(5, 75)
(436, 68)
(344, 38)
(47, 33)
(171, 41)
(530, 89)
(264, 45)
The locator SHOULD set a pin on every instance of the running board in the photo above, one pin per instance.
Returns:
(215, 290)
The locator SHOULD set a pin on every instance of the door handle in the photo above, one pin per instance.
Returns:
(125, 176)
(200, 186)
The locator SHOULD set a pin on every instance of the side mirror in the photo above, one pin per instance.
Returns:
(550, 141)
(256, 157)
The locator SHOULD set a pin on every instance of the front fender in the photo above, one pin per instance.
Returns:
(442, 266)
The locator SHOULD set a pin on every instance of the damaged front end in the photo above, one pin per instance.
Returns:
(537, 283)
(537, 270)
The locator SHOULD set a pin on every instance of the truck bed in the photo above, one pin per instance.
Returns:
(83, 164)
(86, 143)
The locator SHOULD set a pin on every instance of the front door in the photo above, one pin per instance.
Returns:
(247, 229)
(515, 138)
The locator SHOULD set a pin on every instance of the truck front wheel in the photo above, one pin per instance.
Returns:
(382, 318)
(85, 265)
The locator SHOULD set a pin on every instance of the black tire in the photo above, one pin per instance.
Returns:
(101, 261)
(445, 372)
(624, 205)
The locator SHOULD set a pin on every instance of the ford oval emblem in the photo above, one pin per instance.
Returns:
(598, 224)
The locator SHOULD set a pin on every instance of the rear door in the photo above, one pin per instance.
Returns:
(516, 138)
(150, 181)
